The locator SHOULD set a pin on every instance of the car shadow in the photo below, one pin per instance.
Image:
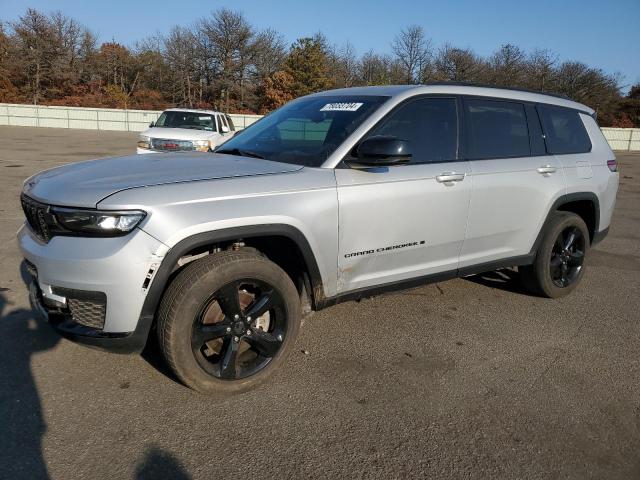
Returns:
(153, 356)
(504, 279)
(158, 463)
(22, 424)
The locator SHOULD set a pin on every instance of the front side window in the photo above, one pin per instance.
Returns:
(564, 130)
(430, 125)
(232, 127)
(306, 131)
(189, 120)
(496, 129)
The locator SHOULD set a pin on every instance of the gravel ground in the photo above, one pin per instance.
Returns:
(469, 378)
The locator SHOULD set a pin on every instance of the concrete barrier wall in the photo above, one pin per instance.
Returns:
(91, 118)
(625, 139)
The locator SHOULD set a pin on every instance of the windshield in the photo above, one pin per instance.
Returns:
(191, 120)
(304, 132)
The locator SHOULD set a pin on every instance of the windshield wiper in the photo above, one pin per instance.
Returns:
(243, 153)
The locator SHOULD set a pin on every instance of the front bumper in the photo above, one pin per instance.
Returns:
(119, 267)
(116, 342)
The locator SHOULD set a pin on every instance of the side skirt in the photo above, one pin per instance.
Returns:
(368, 292)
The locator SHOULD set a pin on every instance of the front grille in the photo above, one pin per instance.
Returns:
(169, 145)
(90, 313)
(87, 308)
(38, 217)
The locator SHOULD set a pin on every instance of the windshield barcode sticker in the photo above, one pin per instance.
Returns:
(341, 107)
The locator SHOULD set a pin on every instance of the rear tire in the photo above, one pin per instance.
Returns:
(220, 342)
(559, 263)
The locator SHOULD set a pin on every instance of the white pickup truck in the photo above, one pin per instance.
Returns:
(179, 130)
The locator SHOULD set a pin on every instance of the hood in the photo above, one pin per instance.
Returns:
(85, 184)
(179, 133)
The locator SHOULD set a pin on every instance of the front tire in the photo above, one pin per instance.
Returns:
(559, 263)
(228, 321)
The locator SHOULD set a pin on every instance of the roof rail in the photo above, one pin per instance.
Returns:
(484, 85)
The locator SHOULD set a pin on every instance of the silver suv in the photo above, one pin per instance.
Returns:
(336, 196)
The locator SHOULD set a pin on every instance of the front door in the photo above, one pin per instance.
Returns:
(408, 221)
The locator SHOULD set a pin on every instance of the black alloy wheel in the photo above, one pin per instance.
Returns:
(239, 329)
(559, 263)
(567, 256)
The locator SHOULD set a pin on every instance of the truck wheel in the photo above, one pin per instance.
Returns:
(228, 321)
(559, 263)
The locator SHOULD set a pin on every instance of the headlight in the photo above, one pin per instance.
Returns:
(144, 142)
(97, 223)
(202, 145)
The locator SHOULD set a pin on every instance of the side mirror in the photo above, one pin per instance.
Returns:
(224, 129)
(382, 151)
(152, 124)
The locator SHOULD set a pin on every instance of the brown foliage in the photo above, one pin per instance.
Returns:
(276, 90)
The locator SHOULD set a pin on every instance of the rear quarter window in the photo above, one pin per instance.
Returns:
(564, 131)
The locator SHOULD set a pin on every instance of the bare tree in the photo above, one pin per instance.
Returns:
(343, 65)
(507, 65)
(457, 65)
(413, 51)
(540, 67)
(270, 53)
(36, 50)
(230, 37)
(86, 56)
(375, 69)
(587, 85)
(180, 50)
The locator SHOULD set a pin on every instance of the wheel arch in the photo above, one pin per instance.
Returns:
(584, 204)
(249, 233)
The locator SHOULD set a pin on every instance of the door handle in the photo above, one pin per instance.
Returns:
(449, 177)
(546, 169)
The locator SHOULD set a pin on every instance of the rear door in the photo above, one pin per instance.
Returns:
(402, 222)
(515, 181)
(568, 140)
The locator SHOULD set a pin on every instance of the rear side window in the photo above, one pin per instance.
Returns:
(430, 125)
(496, 129)
(564, 130)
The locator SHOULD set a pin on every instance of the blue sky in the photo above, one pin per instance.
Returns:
(599, 33)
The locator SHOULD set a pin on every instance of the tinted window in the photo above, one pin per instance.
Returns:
(564, 130)
(429, 124)
(497, 129)
(305, 131)
(190, 120)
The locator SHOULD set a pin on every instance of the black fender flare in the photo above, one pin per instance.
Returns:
(561, 200)
(162, 275)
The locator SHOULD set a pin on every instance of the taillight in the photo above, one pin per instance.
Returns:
(613, 165)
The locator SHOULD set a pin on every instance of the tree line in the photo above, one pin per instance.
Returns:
(224, 62)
